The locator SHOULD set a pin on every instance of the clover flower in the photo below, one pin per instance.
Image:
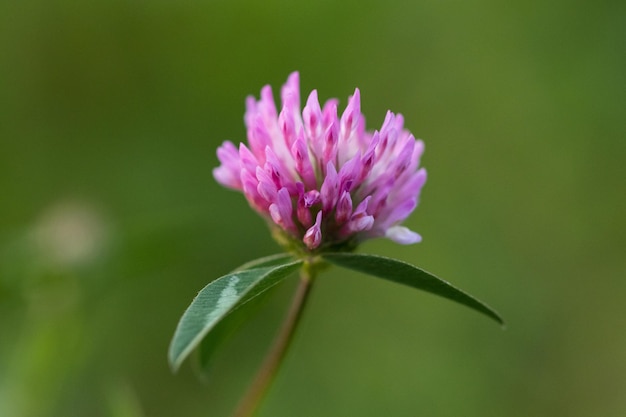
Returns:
(322, 181)
(324, 184)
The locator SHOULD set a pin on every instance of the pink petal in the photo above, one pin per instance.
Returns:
(330, 188)
(228, 173)
(290, 93)
(303, 213)
(280, 173)
(312, 118)
(248, 160)
(351, 114)
(313, 236)
(250, 185)
(267, 187)
(360, 219)
(282, 209)
(266, 105)
(331, 136)
(344, 208)
(287, 127)
(361, 224)
(300, 154)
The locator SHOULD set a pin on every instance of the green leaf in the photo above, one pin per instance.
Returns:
(217, 300)
(271, 260)
(407, 274)
(223, 331)
(228, 326)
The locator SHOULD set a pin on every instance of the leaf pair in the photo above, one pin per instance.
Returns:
(226, 294)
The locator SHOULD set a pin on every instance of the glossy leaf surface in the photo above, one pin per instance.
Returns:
(407, 274)
(218, 299)
(230, 324)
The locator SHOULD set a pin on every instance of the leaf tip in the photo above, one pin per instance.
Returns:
(175, 357)
(173, 363)
(494, 315)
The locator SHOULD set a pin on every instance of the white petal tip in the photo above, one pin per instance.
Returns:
(402, 235)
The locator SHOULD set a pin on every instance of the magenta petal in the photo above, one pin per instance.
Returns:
(351, 114)
(312, 118)
(329, 113)
(227, 177)
(403, 156)
(350, 173)
(330, 188)
(361, 209)
(418, 151)
(330, 144)
(361, 224)
(305, 202)
(380, 196)
(344, 208)
(413, 185)
(228, 154)
(259, 136)
(303, 163)
(266, 106)
(249, 161)
(396, 213)
(287, 127)
(369, 158)
(250, 185)
(300, 163)
(282, 209)
(313, 236)
(311, 198)
(267, 187)
(228, 173)
(280, 172)
(251, 110)
(303, 213)
(290, 93)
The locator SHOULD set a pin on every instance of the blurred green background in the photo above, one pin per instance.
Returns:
(110, 220)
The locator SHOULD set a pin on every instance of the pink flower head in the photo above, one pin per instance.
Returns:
(321, 180)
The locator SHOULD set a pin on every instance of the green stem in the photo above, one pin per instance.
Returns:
(266, 373)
